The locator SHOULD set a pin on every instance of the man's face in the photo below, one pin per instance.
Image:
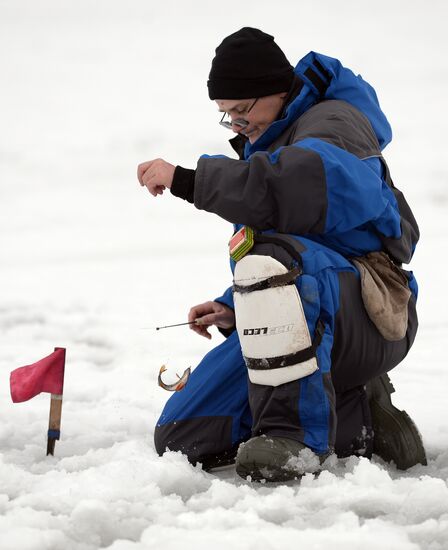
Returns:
(262, 115)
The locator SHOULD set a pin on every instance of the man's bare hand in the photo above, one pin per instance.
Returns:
(208, 314)
(156, 175)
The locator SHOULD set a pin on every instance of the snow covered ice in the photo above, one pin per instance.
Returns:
(88, 260)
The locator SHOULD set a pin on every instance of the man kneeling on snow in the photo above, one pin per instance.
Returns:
(320, 309)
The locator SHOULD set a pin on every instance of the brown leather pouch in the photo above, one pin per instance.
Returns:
(385, 293)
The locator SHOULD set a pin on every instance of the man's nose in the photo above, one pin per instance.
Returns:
(236, 128)
(237, 125)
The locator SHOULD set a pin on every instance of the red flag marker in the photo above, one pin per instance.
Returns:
(47, 375)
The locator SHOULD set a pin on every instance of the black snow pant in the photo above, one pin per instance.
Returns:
(327, 410)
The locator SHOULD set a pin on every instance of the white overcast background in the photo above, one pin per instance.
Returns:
(88, 259)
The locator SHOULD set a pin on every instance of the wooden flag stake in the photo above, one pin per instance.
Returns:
(54, 424)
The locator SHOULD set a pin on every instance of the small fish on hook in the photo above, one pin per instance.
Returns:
(176, 386)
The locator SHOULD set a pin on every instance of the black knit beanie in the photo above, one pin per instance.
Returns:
(248, 63)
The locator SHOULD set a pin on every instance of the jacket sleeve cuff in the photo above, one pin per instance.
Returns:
(183, 183)
(227, 300)
(226, 332)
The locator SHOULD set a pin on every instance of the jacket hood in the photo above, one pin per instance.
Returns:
(325, 78)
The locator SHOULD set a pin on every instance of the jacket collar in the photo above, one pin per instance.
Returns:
(323, 78)
(299, 100)
(238, 143)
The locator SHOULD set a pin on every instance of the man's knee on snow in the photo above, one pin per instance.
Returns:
(198, 438)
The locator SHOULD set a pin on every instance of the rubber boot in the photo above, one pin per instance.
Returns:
(396, 437)
(275, 459)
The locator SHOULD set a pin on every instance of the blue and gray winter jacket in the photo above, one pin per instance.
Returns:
(318, 172)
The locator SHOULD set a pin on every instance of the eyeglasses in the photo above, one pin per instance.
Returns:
(241, 122)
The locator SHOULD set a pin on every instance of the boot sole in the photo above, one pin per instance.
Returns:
(264, 473)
